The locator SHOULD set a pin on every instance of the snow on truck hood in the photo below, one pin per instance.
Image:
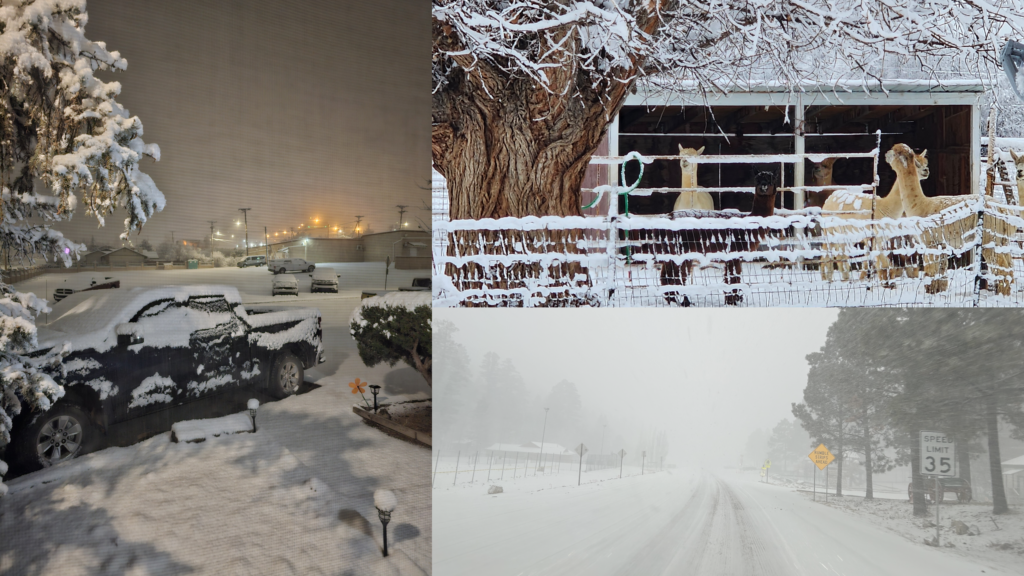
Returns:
(90, 317)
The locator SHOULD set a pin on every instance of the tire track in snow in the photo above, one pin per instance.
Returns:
(712, 534)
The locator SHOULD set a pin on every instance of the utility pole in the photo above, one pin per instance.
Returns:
(543, 431)
(245, 216)
(401, 215)
(604, 429)
(213, 224)
(358, 228)
(266, 247)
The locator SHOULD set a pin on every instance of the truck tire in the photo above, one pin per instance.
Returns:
(281, 270)
(310, 269)
(60, 434)
(286, 376)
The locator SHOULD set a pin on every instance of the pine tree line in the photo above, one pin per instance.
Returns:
(883, 376)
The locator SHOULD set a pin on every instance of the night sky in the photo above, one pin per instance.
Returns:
(297, 109)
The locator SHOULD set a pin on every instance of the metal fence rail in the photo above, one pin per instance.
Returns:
(969, 254)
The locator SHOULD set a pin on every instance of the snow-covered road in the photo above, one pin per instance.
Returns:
(676, 522)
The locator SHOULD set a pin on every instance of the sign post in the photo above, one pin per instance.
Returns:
(642, 460)
(767, 464)
(622, 454)
(938, 459)
(821, 458)
(581, 450)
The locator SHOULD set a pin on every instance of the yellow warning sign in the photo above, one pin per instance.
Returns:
(821, 457)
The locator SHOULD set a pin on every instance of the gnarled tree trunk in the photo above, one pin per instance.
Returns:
(510, 145)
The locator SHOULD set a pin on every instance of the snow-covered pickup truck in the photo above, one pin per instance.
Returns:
(145, 358)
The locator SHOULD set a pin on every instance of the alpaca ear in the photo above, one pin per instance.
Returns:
(700, 151)
(828, 162)
(1013, 154)
(680, 149)
(924, 153)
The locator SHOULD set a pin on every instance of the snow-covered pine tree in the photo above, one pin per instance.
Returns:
(61, 130)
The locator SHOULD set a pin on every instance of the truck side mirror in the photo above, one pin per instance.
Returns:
(128, 334)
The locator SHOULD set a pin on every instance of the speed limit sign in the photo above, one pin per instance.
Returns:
(938, 454)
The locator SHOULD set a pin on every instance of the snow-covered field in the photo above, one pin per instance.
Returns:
(296, 497)
(679, 521)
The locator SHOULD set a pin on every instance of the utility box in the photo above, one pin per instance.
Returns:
(193, 264)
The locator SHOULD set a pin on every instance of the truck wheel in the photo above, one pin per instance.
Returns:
(310, 269)
(286, 376)
(58, 435)
(281, 270)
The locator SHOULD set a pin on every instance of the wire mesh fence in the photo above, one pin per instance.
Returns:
(483, 467)
(969, 254)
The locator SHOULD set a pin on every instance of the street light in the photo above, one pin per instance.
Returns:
(540, 467)
(374, 389)
(253, 404)
(385, 502)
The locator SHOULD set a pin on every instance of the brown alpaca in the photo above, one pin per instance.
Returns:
(821, 175)
(706, 241)
(915, 203)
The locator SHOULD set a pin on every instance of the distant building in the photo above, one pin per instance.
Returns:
(123, 257)
(407, 249)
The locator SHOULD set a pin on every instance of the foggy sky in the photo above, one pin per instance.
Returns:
(707, 377)
(293, 108)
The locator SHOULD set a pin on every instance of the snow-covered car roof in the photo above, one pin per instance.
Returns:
(285, 280)
(325, 274)
(90, 317)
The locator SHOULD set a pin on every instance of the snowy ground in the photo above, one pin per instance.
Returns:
(680, 521)
(294, 498)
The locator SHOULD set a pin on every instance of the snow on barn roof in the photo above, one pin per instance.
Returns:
(90, 317)
(1017, 462)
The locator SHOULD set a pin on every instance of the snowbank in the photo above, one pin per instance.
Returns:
(199, 430)
(407, 300)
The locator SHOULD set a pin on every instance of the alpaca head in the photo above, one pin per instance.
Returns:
(900, 157)
(821, 172)
(687, 166)
(921, 161)
(764, 183)
(1018, 161)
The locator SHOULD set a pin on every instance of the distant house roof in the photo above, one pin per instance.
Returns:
(1017, 463)
(151, 254)
(126, 250)
(531, 448)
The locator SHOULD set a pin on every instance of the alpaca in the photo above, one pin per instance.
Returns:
(691, 200)
(821, 175)
(915, 203)
(705, 241)
(854, 205)
(1018, 162)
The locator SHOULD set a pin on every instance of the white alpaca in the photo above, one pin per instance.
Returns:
(691, 200)
(915, 203)
(857, 205)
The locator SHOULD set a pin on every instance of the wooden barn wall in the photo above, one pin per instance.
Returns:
(945, 131)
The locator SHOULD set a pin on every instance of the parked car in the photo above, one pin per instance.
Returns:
(145, 358)
(252, 261)
(324, 280)
(959, 486)
(282, 265)
(418, 284)
(73, 288)
(285, 284)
